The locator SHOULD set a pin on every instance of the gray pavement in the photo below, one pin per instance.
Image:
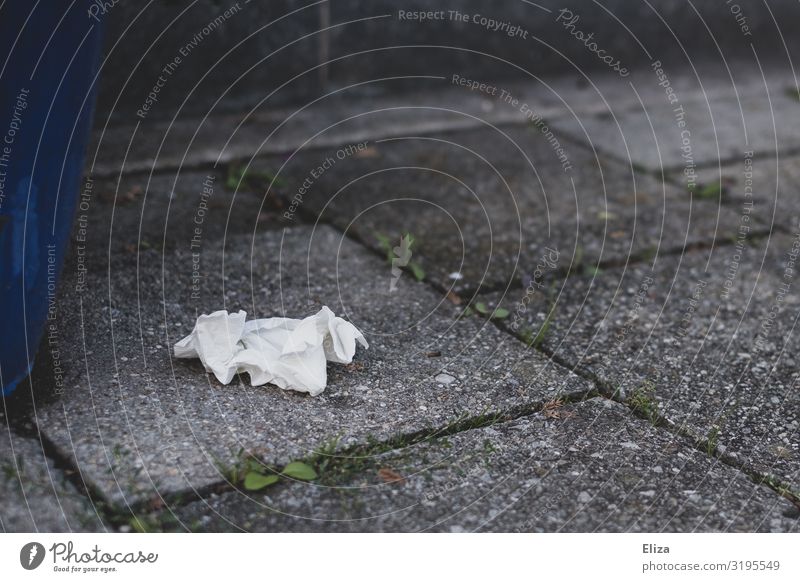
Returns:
(586, 467)
(766, 186)
(484, 205)
(647, 385)
(706, 340)
(687, 129)
(425, 368)
(36, 495)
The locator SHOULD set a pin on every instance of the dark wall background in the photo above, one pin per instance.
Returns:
(229, 70)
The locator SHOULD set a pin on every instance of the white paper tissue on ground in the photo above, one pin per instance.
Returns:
(291, 353)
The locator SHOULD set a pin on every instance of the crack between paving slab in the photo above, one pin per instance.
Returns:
(116, 515)
(67, 469)
(19, 411)
(468, 294)
(348, 460)
(309, 215)
(615, 263)
(137, 167)
(119, 516)
(605, 389)
(667, 173)
(355, 453)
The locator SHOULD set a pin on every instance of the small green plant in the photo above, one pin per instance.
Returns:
(526, 335)
(577, 260)
(300, 471)
(641, 400)
(239, 176)
(260, 476)
(417, 271)
(144, 524)
(712, 439)
(711, 191)
(232, 473)
(10, 470)
(541, 335)
(592, 270)
(255, 481)
(325, 454)
(385, 244)
(254, 475)
(775, 483)
(483, 309)
(793, 93)
(155, 522)
(500, 313)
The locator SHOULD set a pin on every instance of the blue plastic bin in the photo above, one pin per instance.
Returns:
(48, 64)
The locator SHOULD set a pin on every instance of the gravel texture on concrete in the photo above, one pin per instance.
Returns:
(683, 130)
(485, 205)
(36, 497)
(585, 467)
(706, 339)
(140, 424)
(168, 211)
(674, 302)
(767, 188)
(219, 137)
(189, 141)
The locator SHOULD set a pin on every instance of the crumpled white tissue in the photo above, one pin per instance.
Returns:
(291, 353)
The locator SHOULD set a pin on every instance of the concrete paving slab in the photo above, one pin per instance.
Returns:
(693, 130)
(35, 496)
(706, 339)
(140, 424)
(167, 211)
(376, 111)
(191, 141)
(768, 187)
(586, 467)
(483, 205)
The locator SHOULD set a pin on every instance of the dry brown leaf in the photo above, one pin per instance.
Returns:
(390, 475)
(553, 409)
(453, 298)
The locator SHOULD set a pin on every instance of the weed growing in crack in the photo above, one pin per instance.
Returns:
(641, 401)
(147, 523)
(12, 472)
(774, 482)
(712, 191)
(240, 176)
(253, 475)
(712, 439)
(481, 308)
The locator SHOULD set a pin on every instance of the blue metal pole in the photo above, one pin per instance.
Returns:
(48, 65)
